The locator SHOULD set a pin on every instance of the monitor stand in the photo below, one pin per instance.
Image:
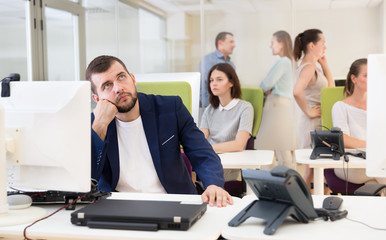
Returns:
(21, 216)
(12, 217)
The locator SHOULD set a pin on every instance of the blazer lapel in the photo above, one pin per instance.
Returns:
(149, 121)
(113, 153)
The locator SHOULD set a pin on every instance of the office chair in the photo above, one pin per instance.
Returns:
(181, 89)
(256, 97)
(328, 97)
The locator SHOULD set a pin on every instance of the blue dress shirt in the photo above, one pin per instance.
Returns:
(210, 60)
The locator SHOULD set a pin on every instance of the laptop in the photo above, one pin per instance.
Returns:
(139, 215)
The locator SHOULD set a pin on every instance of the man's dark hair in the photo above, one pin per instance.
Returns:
(221, 36)
(99, 65)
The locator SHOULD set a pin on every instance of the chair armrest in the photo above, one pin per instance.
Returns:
(369, 189)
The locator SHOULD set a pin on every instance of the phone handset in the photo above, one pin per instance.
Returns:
(283, 171)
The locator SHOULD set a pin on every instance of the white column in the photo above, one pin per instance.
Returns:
(3, 165)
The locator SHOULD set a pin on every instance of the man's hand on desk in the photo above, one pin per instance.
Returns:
(214, 194)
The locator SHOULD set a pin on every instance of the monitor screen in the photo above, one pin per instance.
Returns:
(47, 135)
(376, 116)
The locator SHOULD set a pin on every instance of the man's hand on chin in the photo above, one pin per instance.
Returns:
(216, 194)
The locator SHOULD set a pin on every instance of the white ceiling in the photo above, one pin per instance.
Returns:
(193, 6)
(11, 10)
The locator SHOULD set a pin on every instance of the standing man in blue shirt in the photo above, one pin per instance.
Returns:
(225, 44)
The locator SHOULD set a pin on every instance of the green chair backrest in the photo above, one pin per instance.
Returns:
(328, 97)
(181, 89)
(256, 97)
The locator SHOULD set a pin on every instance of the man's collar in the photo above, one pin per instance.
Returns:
(220, 55)
(230, 105)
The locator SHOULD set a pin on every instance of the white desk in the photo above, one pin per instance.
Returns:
(369, 210)
(59, 226)
(246, 159)
(319, 164)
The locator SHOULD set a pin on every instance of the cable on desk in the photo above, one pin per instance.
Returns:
(43, 218)
(375, 228)
(345, 172)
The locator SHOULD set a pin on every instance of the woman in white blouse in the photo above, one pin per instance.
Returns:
(350, 116)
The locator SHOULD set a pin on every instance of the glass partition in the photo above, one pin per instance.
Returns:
(13, 47)
(61, 27)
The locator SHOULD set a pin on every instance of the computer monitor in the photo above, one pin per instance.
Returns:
(376, 116)
(47, 137)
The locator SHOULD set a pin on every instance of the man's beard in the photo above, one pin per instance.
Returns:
(126, 108)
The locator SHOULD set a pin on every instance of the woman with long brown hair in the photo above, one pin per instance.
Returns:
(227, 121)
(277, 125)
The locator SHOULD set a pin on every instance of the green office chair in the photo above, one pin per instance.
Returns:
(256, 97)
(328, 97)
(181, 89)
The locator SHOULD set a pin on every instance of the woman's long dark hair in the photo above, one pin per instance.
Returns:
(232, 77)
(303, 39)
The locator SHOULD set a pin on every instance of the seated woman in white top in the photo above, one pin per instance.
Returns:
(350, 116)
(227, 122)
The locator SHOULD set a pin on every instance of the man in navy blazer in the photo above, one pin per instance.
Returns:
(136, 139)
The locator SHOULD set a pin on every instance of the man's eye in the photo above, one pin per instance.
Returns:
(122, 77)
(107, 85)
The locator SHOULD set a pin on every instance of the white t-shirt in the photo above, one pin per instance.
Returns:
(136, 168)
(351, 120)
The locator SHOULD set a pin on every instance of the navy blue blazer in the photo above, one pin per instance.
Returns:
(167, 124)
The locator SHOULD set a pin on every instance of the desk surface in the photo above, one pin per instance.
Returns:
(246, 159)
(59, 225)
(303, 157)
(319, 164)
(370, 210)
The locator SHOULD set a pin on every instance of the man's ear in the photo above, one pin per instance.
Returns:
(95, 97)
(219, 44)
(132, 76)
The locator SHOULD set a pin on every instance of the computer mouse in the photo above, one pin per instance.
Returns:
(332, 203)
(19, 201)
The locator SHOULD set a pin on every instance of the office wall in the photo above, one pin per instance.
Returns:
(350, 34)
(179, 42)
(13, 54)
